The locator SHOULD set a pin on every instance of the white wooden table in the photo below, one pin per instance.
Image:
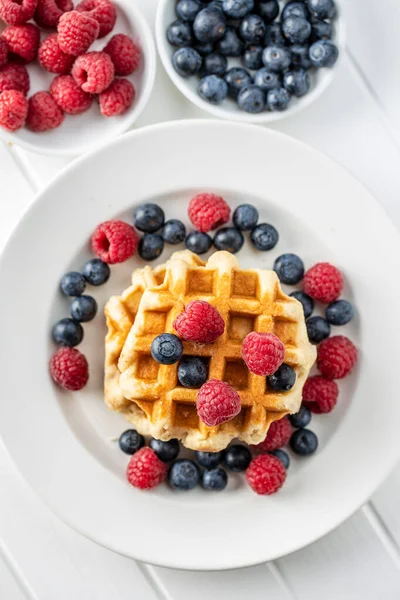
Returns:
(357, 122)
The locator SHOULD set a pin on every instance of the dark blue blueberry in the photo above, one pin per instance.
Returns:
(83, 308)
(282, 456)
(209, 460)
(245, 217)
(148, 217)
(300, 58)
(192, 372)
(339, 312)
(274, 35)
(230, 44)
(215, 4)
(304, 442)
(188, 9)
(252, 29)
(268, 10)
(204, 49)
(68, 332)
(198, 242)
(229, 238)
(296, 29)
(173, 232)
(323, 54)
(289, 268)
(264, 237)
(179, 33)
(236, 9)
(301, 418)
(322, 9)
(252, 57)
(186, 62)
(318, 329)
(73, 284)
(251, 99)
(278, 99)
(215, 480)
(130, 441)
(306, 301)
(266, 80)
(183, 475)
(295, 9)
(96, 272)
(150, 246)
(283, 379)
(276, 58)
(166, 451)
(320, 30)
(237, 78)
(214, 64)
(237, 458)
(166, 349)
(209, 25)
(297, 82)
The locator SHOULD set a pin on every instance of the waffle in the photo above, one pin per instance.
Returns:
(149, 394)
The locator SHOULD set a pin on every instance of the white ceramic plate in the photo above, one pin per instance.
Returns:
(81, 133)
(62, 442)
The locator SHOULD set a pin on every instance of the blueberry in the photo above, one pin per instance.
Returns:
(230, 44)
(276, 58)
(296, 29)
(183, 475)
(192, 372)
(339, 312)
(209, 460)
(304, 442)
(73, 284)
(186, 62)
(229, 238)
(266, 80)
(214, 64)
(96, 272)
(323, 53)
(278, 99)
(148, 217)
(252, 57)
(237, 78)
(301, 418)
(252, 29)
(322, 9)
(320, 30)
(289, 268)
(318, 329)
(216, 4)
(150, 246)
(83, 308)
(268, 10)
(215, 480)
(295, 9)
(274, 35)
(130, 441)
(198, 242)
(245, 217)
(68, 332)
(188, 9)
(166, 451)
(173, 232)
(209, 25)
(264, 237)
(283, 379)
(179, 33)
(282, 456)
(251, 99)
(204, 49)
(237, 458)
(306, 301)
(237, 8)
(297, 82)
(166, 349)
(300, 58)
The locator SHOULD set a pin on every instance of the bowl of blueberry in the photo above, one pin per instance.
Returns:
(250, 60)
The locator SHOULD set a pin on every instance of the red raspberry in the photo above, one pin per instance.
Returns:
(114, 241)
(103, 11)
(278, 435)
(117, 98)
(22, 41)
(43, 113)
(13, 109)
(323, 282)
(52, 58)
(14, 77)
(208, 211)
(336, 357)
(48, 12)
(69, 368)
(69, 96)
(17, 12)
(93, 72)
(3, 52)
(320, 394)
(217, 402)
(76, 32)
(263, 353)
(200, 322)
(265, 474)
(124, 53)
(145, 470)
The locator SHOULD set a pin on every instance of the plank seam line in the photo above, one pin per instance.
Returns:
(27, 170)
(279, 577)
(383, 533)
(154, 581)
(16, 573)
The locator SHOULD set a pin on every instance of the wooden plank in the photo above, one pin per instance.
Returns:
(386, 502)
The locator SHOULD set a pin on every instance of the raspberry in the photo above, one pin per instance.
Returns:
(336, 357)
(93, 72)
(76, 32)
(278, 435)
(103, 11)
(3, 52)
(323, 282)
(48, 12)
(43, 113)
(14, 77)
(69, 368)
(208, 211)
(22, 41)
(114, 241)
(320, 394)
(117, 98)
(13, 109)
(265, 474)
(145, 470)
(263, 353)
(124, 53)
(200, 322)
(69, 96)
(17, 12)
(217, 402)
(52, 58)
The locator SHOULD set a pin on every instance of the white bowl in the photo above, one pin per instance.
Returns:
(81, 133)
(229, 109)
